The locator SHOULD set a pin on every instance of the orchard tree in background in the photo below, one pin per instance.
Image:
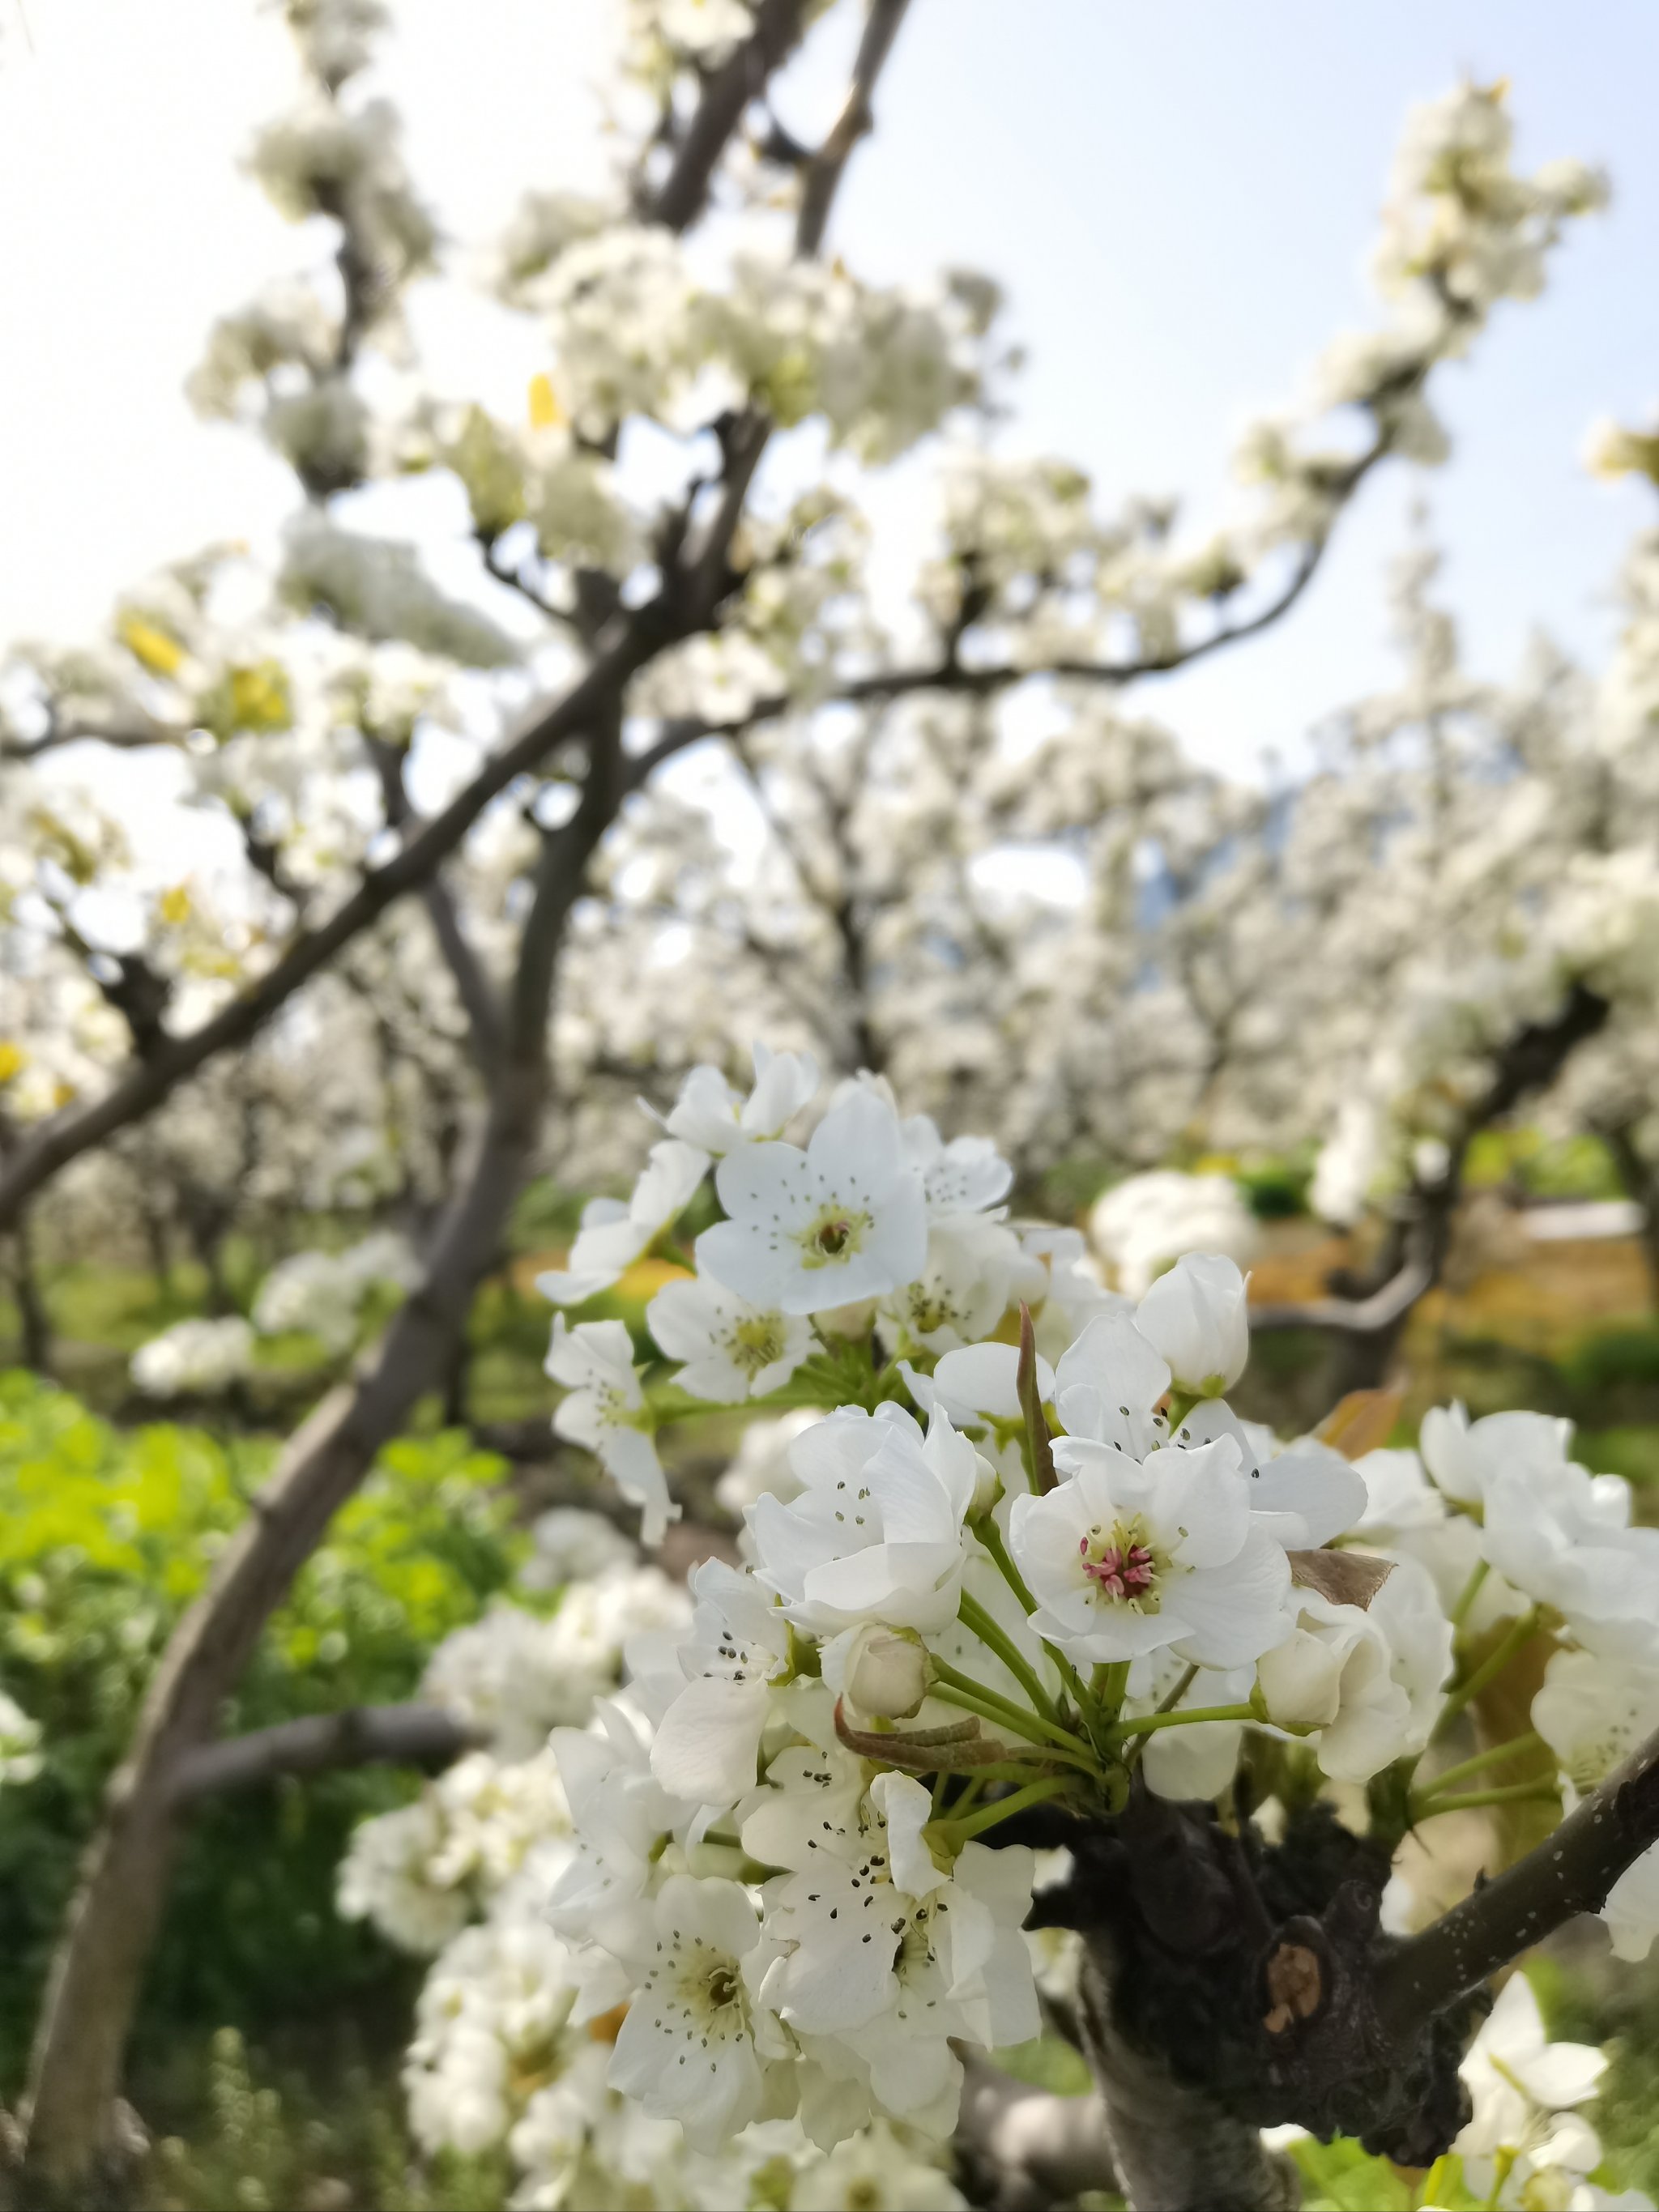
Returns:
(446, 896)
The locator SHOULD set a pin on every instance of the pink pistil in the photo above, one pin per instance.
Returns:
(1121, 1571)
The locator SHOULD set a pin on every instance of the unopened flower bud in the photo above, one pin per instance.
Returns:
(1301, 1680)
(1196, 1317)
(886, 1672)
(987, 1487)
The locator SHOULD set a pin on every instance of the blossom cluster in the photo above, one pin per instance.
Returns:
(503, 2054)
(988, 1578)
(323, 1293)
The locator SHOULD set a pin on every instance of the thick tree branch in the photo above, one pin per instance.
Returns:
(684, 193)
(363, 1736)
(823, 170)
(1414, 1257)
(1569, 1872)
(477, 992)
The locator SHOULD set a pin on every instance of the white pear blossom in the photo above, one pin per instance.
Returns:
(876, 1533)
(573, 1545)
(1594, 1712)
(717, 1120)
(1143, 1224)
(1524, 2087)
(731, 1349)
(1562, 1536)
(707, 1742)
(1367, 1681)
(882, 1672)
(873, 2172)
(1302, 1494)
(1465, 1457)
(604, 1410)
(977, 1383)
(697, 2041)
(1127, 1556)
(843, 1220)
(613, 1235)
(20, 1758)
(1195, 1317)
(194, 1357)
(760, 1465)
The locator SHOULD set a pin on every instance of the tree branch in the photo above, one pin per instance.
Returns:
(477, 992)
(1569, 1872)
(362, 1736)
(1528, 1061)
(823, 170)
(684, 193)
(141, 1088)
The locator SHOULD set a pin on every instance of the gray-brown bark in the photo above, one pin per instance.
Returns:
(362, 1735)
(1174, 2149)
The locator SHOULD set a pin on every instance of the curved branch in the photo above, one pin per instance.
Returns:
(823, 170)
(1528, 1061)
(143, 1087)
(683, 193)
(949, 674)
(362, 1736)
(1366, 1317)
(1569, 1872)
(71, 733)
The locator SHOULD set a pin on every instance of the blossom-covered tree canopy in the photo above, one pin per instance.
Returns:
(1042, 1690)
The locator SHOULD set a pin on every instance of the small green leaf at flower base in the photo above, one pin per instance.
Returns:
(1048, 2062)
(1342, 2177)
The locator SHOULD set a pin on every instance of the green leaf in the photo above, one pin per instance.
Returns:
(1341, 2177)
(1046, 2063)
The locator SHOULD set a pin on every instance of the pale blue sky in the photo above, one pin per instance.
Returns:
(1179, 197)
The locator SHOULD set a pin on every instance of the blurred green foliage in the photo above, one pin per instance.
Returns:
(104, 1536)
(263, 2145)
(1579, 1167)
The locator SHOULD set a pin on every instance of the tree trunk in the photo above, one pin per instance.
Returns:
(34, 1322)
(1175, 2150)
(1641, 1184)
(95, 1977)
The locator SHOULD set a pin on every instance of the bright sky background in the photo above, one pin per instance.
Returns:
(1179, 197)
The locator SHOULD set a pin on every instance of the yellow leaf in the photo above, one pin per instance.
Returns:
(175, 904)
(260, 698)
(161, 655)
(12, 1060)
(546, 412)
(62, 1092)
(1360, 1422)
(647, 1277)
